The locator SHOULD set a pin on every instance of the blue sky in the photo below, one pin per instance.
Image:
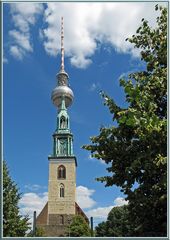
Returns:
(96, 56)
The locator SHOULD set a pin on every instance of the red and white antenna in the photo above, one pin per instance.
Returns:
(62, 44)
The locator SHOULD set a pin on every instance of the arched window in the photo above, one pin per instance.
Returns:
(61, 172)
(61, 219)
(63, 122)
(61, 190)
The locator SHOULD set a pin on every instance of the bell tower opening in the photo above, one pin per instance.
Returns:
(61, 172)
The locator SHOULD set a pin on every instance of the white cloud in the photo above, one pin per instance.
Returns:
(16, 52)
(21, 39)
(31, 202)
(100, 212)
(87, 24)
(96, 160)
(119, 201)
(80, 61)
(102, 161)
(20, 23)
(26, 8)
(23, 15)
(84, 197)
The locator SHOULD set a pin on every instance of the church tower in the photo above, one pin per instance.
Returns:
(62, 163)
(61, 207)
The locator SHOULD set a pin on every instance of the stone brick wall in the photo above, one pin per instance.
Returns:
(54, 230)
(66, 205)
(54, 219)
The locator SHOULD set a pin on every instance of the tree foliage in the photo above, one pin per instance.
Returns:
(136, 149)
(78, 227)
(116, 225)
(101, 230)
(14, 225)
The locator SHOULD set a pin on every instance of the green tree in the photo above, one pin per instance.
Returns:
(78, 227)
(14, 225)
(101, 230)
(117, 224)
(136, 148)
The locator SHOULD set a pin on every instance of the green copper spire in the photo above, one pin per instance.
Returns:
(63, 138)
(63, 123)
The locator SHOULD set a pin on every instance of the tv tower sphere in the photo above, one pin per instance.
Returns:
(62, 90)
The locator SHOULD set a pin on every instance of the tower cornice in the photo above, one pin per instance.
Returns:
(62, 159)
